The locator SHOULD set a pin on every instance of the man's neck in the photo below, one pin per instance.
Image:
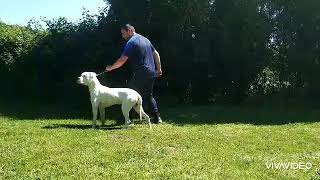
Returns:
(131, 36)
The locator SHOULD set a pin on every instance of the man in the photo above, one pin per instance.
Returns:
(145, 64)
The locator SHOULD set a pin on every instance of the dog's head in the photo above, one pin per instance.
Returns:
(86, 78)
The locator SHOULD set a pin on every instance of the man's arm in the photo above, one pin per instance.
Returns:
(157, 61)
(119, 62)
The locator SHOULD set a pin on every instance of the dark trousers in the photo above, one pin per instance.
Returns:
(144, 86)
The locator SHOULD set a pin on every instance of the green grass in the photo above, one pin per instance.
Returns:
(193, 143)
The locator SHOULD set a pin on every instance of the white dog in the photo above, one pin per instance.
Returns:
(102, 97)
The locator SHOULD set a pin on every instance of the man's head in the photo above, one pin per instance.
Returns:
(127, 31)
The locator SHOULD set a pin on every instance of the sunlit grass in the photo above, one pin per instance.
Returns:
(69, 148)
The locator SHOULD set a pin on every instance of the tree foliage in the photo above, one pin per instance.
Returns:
(211, 50)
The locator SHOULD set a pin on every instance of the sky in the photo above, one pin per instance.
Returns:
(21, 11)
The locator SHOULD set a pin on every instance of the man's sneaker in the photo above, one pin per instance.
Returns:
(158, 119)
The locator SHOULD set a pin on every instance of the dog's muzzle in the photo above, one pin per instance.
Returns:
(79, 81)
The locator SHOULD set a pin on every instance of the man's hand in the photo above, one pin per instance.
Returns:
(109, 68)
(157, 62)
(159, 72)
(119, 62)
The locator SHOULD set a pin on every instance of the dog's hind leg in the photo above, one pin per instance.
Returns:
(139, 109)
(102, 114)
(125, 111)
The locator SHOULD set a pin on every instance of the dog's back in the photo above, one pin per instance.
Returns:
(118, 95)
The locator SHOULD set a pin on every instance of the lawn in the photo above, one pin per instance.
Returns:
(193, 143)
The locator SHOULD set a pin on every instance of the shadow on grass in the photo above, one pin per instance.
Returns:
(177, 115)
(239, 115)
(82, 127)
(35, 112)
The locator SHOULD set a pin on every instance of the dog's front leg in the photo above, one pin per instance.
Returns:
(94, 113)
(102, 114)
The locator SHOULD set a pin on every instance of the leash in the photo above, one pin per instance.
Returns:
(100, 73)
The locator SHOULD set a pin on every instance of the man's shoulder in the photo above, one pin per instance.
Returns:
(140, 38)
(133, 39)
(137, 40)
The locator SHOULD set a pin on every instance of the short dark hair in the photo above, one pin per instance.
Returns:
(128, 27)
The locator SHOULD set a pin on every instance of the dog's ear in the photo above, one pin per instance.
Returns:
(92, 75)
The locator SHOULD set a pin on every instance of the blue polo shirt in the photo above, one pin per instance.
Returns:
(139, 51)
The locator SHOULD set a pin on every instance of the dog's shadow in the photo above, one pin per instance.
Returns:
(83, 127)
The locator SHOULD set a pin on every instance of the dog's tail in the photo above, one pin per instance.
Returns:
(139, 105)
